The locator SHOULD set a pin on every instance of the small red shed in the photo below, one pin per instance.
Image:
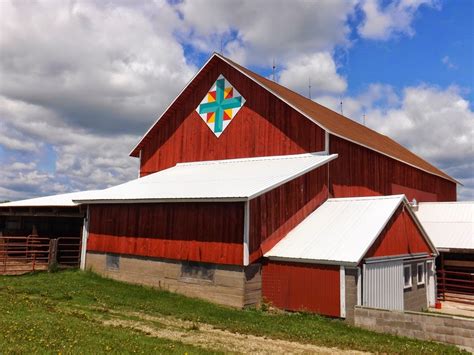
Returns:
(368, 251)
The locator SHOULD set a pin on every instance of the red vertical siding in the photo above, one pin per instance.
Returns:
(264, 126)
(277, 212)
(400, 236)
(205, 232)
(297, 287)
(359, 171)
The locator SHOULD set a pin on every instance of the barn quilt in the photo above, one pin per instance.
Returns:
(220, 105)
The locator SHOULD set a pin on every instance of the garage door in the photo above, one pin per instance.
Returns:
(383, 285)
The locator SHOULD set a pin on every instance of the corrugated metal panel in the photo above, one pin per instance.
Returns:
(450, 225)
(302, 287)
(232, 178)
(62, 200)
(340, 230)
(383, 285)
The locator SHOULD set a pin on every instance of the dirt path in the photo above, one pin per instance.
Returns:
(208, 337)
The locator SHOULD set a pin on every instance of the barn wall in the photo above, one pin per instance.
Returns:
(400, 236)
(204, 232)
(275, 213)
(297, 287)
(359, 171)
(264, 126)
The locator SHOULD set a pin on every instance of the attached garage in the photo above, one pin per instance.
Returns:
(352, 251)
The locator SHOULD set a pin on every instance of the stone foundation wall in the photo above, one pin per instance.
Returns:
(425, 326)
(351, 293)
(230, 285)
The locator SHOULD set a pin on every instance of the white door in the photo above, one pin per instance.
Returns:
(431, 286)
(383, 285)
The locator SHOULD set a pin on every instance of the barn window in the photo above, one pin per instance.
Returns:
(407, 276)
(194, 271)
(112, 262)
(420, 273)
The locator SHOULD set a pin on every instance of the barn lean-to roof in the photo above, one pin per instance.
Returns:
(332, 122)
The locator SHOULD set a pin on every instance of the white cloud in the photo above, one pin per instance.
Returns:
(437, 124)
(83, 159)
(320, 67)
(258, 31)
(110, 68)
(382, 22)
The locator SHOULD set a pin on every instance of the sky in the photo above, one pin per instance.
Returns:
(82, 81)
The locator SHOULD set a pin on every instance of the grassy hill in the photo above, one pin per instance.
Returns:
(80, 312)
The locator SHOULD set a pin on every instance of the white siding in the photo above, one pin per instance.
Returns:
(383, 285)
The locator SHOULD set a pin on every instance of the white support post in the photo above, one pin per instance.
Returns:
(85, 236)
(326, 142)
(342, 282)
(246, 256)
(359, 287)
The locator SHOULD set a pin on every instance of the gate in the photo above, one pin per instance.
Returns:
(20, 255)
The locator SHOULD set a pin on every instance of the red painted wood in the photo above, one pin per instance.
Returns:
(359, 171)
(400, 236)
(298, 287)
(205, 232)
(264, 126)
(274, 214)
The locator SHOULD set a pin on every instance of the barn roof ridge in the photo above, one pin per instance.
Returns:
(341, 131)
(329, 120)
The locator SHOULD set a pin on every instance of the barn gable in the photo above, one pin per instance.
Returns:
(263, 125)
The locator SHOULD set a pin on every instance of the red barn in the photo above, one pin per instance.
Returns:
(234, 165)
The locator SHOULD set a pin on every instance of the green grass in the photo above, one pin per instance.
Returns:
(62, 312)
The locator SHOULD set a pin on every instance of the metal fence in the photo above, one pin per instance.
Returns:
(456, 286)
(19, 255)
(24, 254)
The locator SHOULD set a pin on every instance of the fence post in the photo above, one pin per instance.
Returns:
(53, 254)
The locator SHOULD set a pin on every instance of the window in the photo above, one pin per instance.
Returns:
(420, 273)
(112, 262)
(407, 276)
(193, 271)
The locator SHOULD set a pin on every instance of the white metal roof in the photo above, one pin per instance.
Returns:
(231, 179)
(340, 231)
(450, 225)
(62, 200)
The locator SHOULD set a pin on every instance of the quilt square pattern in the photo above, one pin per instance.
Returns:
(220, 105)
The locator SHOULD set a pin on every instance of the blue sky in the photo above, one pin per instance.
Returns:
(75, 98)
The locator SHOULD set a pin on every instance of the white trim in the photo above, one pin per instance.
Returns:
(359, 287)
(165, 200)
(327, 130)
(342, 283)
(246, 233)
(326, 142)
(85, 237)
(381, 259)
(312, 261)
(139, 162)
(423, 274)
(410, 285)
(172, 103)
